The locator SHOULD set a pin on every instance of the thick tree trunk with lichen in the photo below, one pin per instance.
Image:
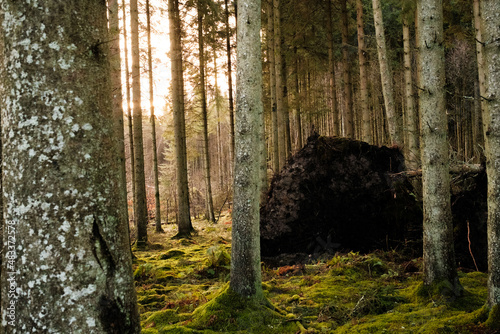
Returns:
(177, 91)
(439, 257)
(491, 37)
(140, 209)
(245, 257)
(393, 118)
(66, 229)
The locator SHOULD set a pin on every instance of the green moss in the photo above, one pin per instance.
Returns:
(171, 254)
(493, 321)
(230, 312)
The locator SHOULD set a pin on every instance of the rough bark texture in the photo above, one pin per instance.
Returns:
(153, 124)
(177, 91)
(413, 155)
(229, 82)
(129, 109)
(393, 118)
(245, 253)
(348, 112)
(116, 86)
(363, 80)
(439, 257)
(491, 36)
(140, 209)
(209, 204)
(272, 86)
(69, 266)
(478, 123)
(331, 70)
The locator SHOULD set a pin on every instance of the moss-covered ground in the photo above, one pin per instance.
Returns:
(179, 285)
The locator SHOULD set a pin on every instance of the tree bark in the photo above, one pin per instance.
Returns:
(272, 85)
(129, 109)
(348, 112)
(177, 91)
(141, 211)
(158, 227)
(393, 117)
(209, 204)
(245, 253)
(116, 86)
(491, 66)
(412, 157)
(229, 83)
(68, 260)
(363, 81)
(439, 257)
(478, 123)
(331, 70)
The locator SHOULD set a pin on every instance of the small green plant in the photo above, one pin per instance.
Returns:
(218, 257)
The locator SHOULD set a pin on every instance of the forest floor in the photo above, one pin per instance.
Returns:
(341, 293)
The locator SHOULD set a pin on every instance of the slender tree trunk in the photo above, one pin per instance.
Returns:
(220, 148)
(479, 138)
(68, 259)
(363, 81)
(158, 228)
(116, 85)
(491, 67)
(229, 83)
(393, 117)
(439, 257)
(331, 70)
(245, 252)
(184, 217)
(204, 115)
(413, 155)
(348, 112)
(279, 84)
(129, 109)
(141, 211)
(298, 122)
(272, 85)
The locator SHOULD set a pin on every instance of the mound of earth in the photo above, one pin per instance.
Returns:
(340, 194)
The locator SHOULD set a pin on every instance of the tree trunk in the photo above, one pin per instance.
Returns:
(68, 259)
(331, 70)
(272, 85)
(129, 109)
(478, 123)
(204, 115)
(348, 112)
(393, 117)
(245, 253)
(439, 257)
(412, 157)
(184, 216)
(363, 81)
(116, 85)
(298, 122)
(230, 84)
(491, 67)
(279, 84)
(158, 228)
(141, 210)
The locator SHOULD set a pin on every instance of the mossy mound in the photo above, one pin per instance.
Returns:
(229, 312)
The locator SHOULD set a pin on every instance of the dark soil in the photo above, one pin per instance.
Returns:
(338, 194)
